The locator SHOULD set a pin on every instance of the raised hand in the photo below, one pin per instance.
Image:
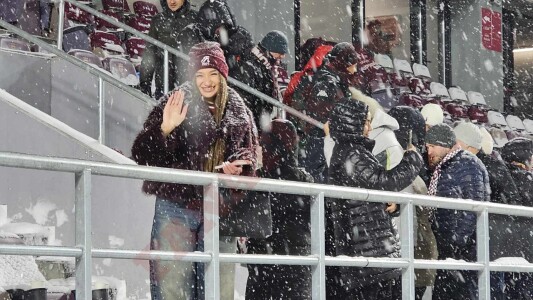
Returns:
(174, 112)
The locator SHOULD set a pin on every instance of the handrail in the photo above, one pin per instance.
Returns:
(167, 49)
(84, 251)
(211, 256)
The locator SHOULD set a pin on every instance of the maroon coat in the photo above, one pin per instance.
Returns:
(187, 146)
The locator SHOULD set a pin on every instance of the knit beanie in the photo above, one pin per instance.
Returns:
(342, 56)
(469, 134)
(433, 114)
(441, 135)
(207, 55)
(518, 150)
(348, 116)
(487, 143)
(275, 41)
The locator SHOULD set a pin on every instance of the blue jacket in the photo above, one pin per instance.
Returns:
(462, 177)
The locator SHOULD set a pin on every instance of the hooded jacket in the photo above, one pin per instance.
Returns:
(187, 145)
(387, 149)
(363, 228)
(211, 16)
(165, 27)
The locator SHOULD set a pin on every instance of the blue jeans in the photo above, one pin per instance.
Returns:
(181, 230)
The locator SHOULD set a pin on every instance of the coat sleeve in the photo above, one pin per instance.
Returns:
(149, 61)
(150, 147)
(187, 38)
(375, 176)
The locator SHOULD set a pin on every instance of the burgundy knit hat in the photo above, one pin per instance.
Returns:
(207, 55)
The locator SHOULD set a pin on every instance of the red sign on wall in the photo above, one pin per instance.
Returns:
(491, 29)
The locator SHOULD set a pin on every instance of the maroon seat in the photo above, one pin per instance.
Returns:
(86, 56)
(143, 8)
(135, 47)
(77, 15)
(102, 24)
(101, 39)
(116, 5)
(457, 111)
(139, 23)
(478, 114)
(411, 100)
(13, 43)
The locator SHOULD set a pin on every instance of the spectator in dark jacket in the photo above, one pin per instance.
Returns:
(518, 154)
(460, 175)
(258, 70)
(290, 221)
(215, 22)
(165, 27)
(413, 131)
(199, 126)
(330, 85)
(363, 228)
(503, 190)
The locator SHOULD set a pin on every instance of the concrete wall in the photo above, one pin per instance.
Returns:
(475, 68)
(120, 211)
(70, 94)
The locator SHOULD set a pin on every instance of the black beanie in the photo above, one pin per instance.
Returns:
(342, 56)
(411, 123)
(348, 116)
(276, 41)
(441, 135)
(518, 150)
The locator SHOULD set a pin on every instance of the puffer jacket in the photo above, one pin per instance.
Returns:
(187, 145)
(328, 89)
(364, 228)
(462, 177)
(165, 27)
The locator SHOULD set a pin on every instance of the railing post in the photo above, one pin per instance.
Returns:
(483, 253)
(83, 234)
(211, 241)
(60, 25)
(407, 243)
(165, 71)
(101, 111)
(318, 249)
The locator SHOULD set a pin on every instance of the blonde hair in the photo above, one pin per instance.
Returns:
(216, 153)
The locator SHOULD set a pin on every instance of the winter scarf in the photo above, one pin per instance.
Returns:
(257, 52)
(216, 151)
(432, 191)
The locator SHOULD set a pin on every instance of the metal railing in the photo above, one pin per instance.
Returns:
(84, 252)
(103, 77)
(168, 49)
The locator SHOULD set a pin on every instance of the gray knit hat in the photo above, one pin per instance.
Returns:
(441, 135)
(469, 134)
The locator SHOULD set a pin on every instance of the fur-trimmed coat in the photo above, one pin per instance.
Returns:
(187, 146)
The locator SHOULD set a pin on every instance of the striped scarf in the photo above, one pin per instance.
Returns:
(432, 191)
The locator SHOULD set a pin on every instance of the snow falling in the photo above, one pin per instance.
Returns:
(416, 97)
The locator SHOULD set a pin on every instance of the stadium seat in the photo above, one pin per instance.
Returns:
(86, 56)
(122, 69)
(139, 23)
(12, 43)
(145, 9)
(478, 109)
